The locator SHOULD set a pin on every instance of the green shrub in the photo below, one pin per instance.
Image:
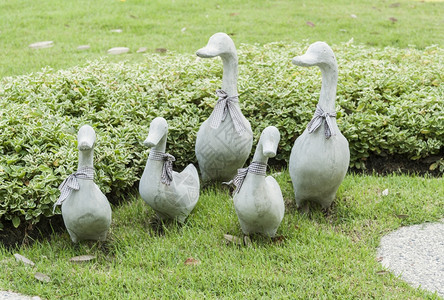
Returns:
(389, 101)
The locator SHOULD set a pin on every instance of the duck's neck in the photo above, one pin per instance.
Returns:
(259, 156)
(328, 89)
(229, 78)
(86, 158)
(255, 179)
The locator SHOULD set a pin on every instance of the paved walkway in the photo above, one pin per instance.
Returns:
(416, 254)
(14, 296)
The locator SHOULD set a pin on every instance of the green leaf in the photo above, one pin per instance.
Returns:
(16, 221)
(433, 166)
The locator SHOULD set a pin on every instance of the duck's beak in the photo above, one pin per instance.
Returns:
(85, 145)
(207, 52)
(305, 60)
(269, 139)
(86, 138)
(153, 139)
(269, 148)
(154, 136)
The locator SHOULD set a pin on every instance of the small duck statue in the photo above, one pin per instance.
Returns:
(224, 140)
(320, 156)
(170, 194)
(86, 211)
(258, 199)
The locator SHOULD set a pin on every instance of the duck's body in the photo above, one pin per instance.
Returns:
(223, 143)
(320, 156)
(86, 212)
(175, 198)
(258, 201)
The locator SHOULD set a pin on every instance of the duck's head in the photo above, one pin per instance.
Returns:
(86, 137)
(318, 54)
(219, 44)
(269, 139)
(158, 129)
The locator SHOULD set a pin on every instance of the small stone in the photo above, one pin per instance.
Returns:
(42, 277)
(23, 259)
(142, 49)
(116, 30)
(183, 29)
(161, 50)
(41, 45)
(353, 16)
(385, 192)
(118, 50)
(82, 258)
(83, 47)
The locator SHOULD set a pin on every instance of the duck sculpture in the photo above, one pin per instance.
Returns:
(320, 156)
(224, 140)
(258, 199)
(86, 211)
(170, 194)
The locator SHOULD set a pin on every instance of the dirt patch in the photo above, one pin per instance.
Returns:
(400, 165)
(26, 234)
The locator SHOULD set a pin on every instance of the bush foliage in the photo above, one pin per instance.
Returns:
(389, 101)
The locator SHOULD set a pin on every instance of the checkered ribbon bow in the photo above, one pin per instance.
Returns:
(167, 169)
(225, 105)
(318, 119)
(254, 167)
(71, 183)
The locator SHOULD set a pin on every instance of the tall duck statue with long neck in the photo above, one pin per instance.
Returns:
(258, 199)
(85, 209)
(320, 156)
(224, 140)
(170, 194)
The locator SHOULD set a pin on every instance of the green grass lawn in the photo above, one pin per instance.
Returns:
(322, 255)
(185, 26)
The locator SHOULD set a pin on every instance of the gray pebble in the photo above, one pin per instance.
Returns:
(118, 50)
(41, 45)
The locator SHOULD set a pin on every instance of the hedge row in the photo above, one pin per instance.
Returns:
(389, 101)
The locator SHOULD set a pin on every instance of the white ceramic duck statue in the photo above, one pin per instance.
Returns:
(320, 156)
(85, 209)
(170, 194)
(258, 199)
(224, 141)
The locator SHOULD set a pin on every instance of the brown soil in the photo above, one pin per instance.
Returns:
(400, 165)
(26, 234)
